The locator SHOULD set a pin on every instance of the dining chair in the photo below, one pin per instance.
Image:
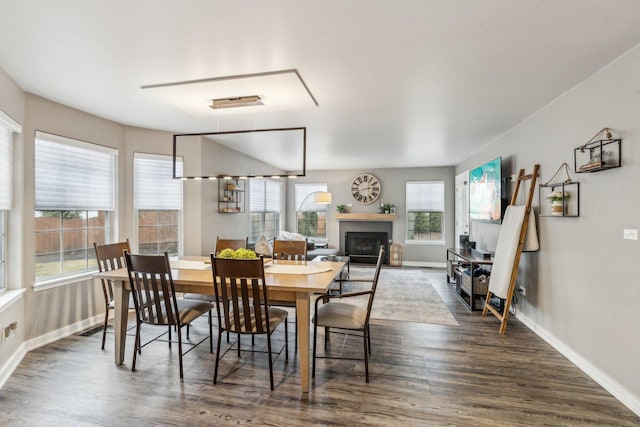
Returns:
(221, 244)
(292, 250)
(289, 250)
(346, 316)
(155, 300)
(242, 304)
(110, 257)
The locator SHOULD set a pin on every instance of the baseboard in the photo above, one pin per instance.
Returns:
(7, 369)
(424, 264)
(74, 328)
(618, 391)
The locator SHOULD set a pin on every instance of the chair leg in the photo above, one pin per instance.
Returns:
(270, 359)
(210, 333)
(188, 324)
(215, 370)
(366, 356)
(136, 347)
(169, 336)
(239, 345)
(286, 342)
(180, 349)
(313, 366)
(104, 328)
(369, 338)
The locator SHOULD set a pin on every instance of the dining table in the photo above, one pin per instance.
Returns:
(285, 280)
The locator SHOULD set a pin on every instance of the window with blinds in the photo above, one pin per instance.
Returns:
(8, 126)
(311, 218)
(74, 204)
(425, 211)
(265, 197)
(158, 203)
(6, 176)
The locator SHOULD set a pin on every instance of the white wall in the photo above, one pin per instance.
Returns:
(582, 294)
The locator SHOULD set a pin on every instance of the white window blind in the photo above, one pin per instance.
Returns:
(425, 196)
(264, 195)
(154, 185)
(6, 172)
(7, 127)
(74, 175)
(304, 190)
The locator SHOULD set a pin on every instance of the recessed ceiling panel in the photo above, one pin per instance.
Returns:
(278, 91)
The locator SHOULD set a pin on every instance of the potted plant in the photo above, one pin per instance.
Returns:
(341, 208)
(386, 208)
(557, 199)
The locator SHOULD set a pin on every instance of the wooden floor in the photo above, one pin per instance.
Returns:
(421, 375)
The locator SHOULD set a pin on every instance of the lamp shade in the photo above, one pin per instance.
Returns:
(322, 198)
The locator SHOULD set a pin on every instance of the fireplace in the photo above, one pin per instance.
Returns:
(363, 246)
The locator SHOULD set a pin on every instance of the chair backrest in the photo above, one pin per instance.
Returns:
(152, 288)
(234, 244)
(295, 250)
(375, 282)
(110, 257)
(247, 308)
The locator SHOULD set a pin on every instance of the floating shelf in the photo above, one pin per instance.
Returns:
(597, 156)
(570, 207)
(365, 217)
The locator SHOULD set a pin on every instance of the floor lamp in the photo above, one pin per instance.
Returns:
(319, 198)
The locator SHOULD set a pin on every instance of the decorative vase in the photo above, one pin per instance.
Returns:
(557, 208)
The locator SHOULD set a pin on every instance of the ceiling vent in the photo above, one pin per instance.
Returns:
(239, 101)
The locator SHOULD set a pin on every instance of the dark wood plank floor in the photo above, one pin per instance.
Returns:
(421, 375)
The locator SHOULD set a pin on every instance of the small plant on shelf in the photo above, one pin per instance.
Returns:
(341, 209)
(557, 199)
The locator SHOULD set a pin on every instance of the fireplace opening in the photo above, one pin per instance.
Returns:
(363, 247)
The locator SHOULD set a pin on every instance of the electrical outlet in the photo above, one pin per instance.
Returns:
(522, 290)
(630, 234)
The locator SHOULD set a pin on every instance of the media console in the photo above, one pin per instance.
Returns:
(469, 291)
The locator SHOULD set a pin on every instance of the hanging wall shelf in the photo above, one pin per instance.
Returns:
(598, 154)
(560, 198)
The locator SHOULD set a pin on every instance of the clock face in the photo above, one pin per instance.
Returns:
(365, 188)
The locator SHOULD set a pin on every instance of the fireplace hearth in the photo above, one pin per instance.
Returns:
(363, 247)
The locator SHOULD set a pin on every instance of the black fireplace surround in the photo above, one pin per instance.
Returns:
(363, 247)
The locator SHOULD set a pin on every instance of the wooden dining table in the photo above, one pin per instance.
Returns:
(193, 275)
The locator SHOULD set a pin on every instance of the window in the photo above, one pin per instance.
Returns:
(264, 195)
(425, 211)
(7, 127)
(5, 194)
(311, 218)
(75, 204)
(157, 204)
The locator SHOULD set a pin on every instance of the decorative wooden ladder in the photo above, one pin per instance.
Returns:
(523, 233)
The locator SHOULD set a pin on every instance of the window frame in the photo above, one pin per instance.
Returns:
(110, 214)
(264, 212)
(158, 209)
(410, 210)
(9, 127)
(306, 200)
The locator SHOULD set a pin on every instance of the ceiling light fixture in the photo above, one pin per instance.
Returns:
(238, 101)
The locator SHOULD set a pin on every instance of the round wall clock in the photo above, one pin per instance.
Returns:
(365, 188)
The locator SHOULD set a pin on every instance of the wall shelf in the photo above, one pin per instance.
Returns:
(365, 217)
(597, 156)
(231, 195)
(569, 207)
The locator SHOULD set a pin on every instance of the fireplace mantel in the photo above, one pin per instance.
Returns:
(365, 217)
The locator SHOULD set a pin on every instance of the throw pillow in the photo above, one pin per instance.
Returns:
(263, 247)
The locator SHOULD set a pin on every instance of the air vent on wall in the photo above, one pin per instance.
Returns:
(239, 101)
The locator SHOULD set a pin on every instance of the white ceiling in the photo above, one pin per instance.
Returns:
(399, 83)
